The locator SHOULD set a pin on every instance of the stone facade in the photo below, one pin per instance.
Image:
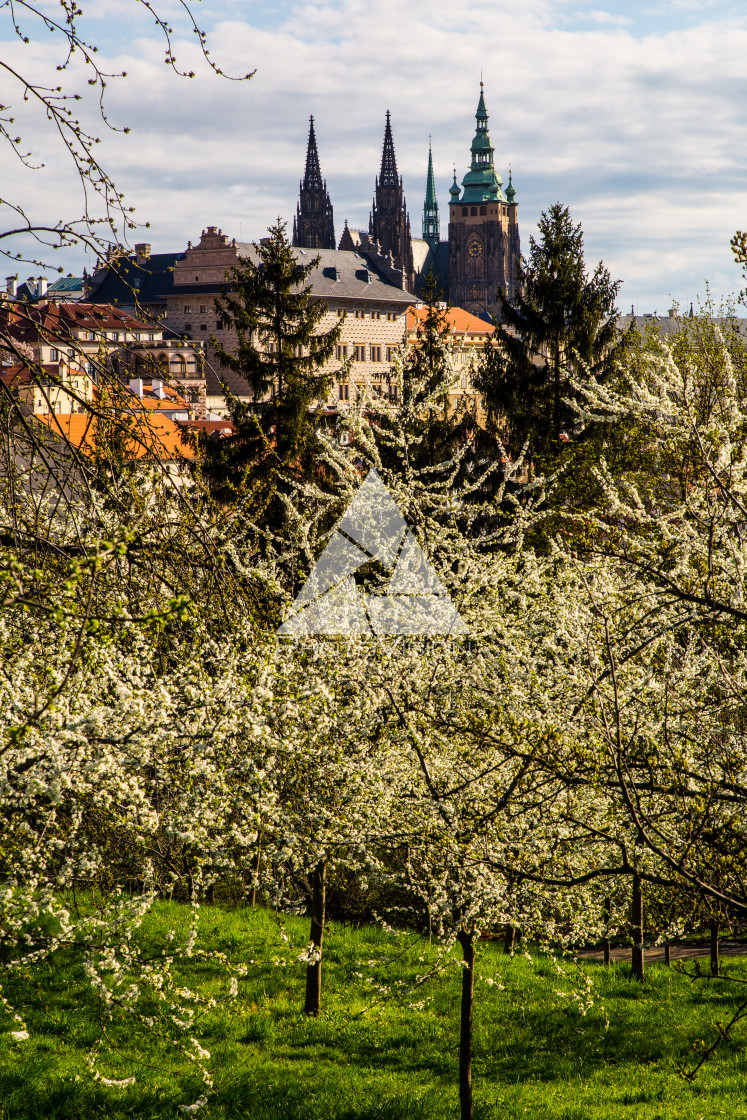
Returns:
(483, 255)
(372, 310)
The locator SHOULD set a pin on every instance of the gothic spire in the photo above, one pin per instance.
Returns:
(389, 224)
(312, 180)
(313, 225)
(431, 230)
(388, 176)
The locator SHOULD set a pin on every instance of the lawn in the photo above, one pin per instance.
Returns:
(536, 1055)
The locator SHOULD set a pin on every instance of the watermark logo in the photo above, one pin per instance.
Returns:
(331, 603)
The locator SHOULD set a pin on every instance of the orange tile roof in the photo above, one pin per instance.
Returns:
(157, 435)
(458, 319)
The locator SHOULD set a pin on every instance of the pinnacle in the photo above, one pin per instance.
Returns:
(388, 176)
(313, 176)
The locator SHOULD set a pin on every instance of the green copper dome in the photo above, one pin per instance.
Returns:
(510, 190)
(482, 183)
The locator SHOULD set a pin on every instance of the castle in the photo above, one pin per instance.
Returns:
(481, 254)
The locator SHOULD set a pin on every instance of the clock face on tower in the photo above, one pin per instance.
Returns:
(475, 248)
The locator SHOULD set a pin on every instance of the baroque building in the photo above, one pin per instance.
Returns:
(313, 225)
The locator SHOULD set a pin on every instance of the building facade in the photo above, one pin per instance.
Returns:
(371, 307)
(73, 342)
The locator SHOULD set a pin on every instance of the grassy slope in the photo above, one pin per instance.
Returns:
(535, 1056)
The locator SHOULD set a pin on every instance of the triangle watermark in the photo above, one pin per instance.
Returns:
(331, 603)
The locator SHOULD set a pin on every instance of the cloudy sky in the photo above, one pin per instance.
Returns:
(634, 115)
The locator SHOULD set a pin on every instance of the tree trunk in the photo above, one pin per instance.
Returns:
(667, 954)
(607, 915)
(256, 871)
(313, 1003)
(637, 930)
(467, 942)
(714, 926)
(508, 940)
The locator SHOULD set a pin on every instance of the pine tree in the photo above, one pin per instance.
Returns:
(281, 354)
(562, 322)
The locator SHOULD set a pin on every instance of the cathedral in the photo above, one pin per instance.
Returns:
(478, 259)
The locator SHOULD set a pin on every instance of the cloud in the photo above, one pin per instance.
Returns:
(641, 134)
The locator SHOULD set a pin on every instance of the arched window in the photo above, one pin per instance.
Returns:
(474, 211)
(178, 365)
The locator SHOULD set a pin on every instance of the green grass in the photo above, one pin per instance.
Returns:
(535, 1056)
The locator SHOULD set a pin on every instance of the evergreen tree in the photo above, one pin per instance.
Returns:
(562, 322)
(281, 354)
(436, 421)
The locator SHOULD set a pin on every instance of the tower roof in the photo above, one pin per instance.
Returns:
(312, 179)
(482, 183)
(431, 229)
(430, 185)
(388, 176)
(510, 189)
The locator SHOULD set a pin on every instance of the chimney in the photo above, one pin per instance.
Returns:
(157, 389)
(136, 385)
(142, 250)
(41, 287)
(11, 285)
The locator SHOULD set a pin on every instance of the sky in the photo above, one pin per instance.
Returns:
(633, 115)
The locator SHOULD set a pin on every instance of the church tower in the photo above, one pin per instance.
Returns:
(431, 228)
(313, 226)
(389, 224)
(483, 230)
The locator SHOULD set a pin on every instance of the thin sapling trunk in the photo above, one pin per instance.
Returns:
(637, 928)
(467, 942)
(313, 1003)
